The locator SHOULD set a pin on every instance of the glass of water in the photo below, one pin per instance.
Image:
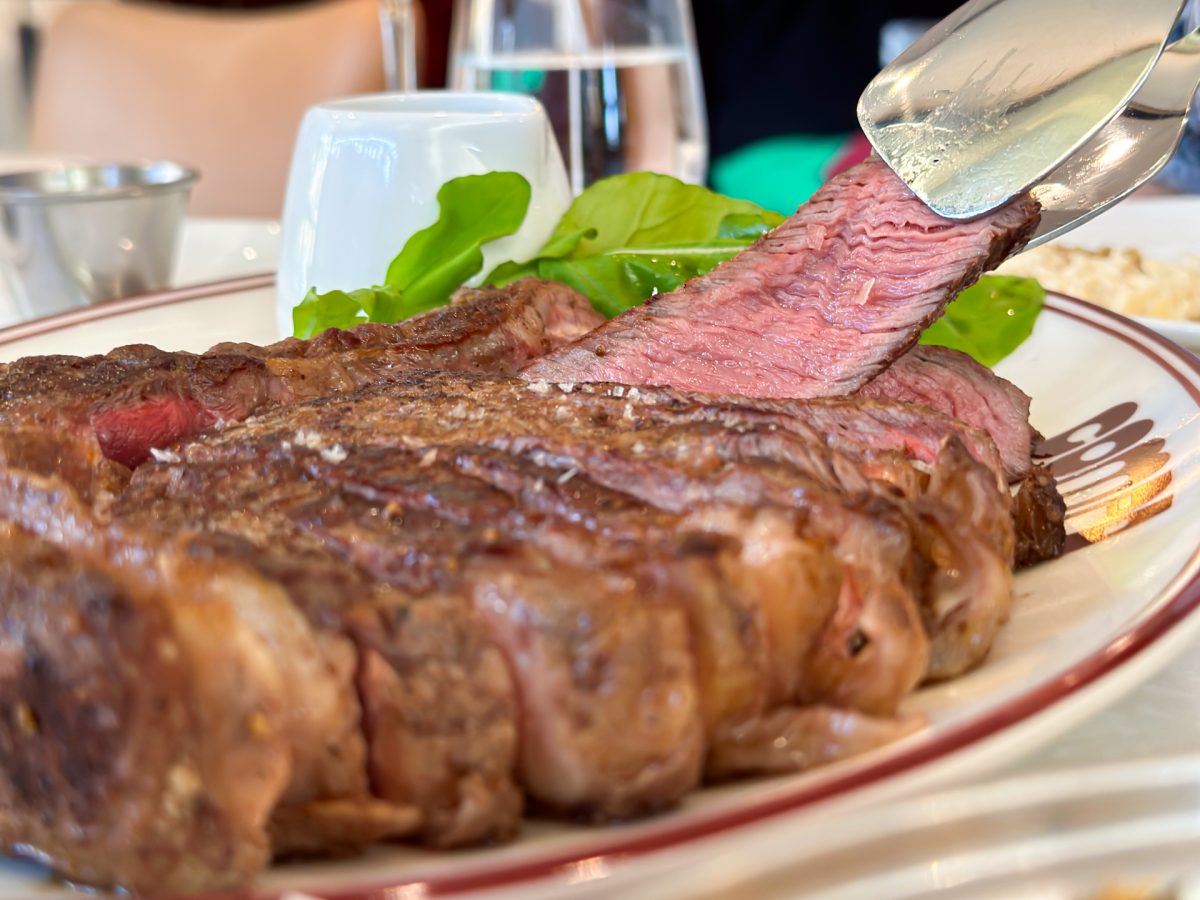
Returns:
(398, 23)
(619, 79)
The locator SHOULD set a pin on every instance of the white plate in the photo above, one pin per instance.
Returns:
(1085, 630)
(1160, 227)
(219, 249)
(1116, 831)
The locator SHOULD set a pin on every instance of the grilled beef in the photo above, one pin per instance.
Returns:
(495, 330)
(453, 502)
(581, 647)
(816, 308)
(90, 419)
(956, 385)
(408, 591)
(673, 456)
(165, 707)
(1040, 515)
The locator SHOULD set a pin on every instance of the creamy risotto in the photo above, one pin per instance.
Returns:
(1121, 279)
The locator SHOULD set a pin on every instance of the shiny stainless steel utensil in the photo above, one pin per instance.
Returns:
(1003, 92)
(72, 236)
(1126, 152)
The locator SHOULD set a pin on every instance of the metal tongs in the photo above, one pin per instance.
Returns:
(1078, 101)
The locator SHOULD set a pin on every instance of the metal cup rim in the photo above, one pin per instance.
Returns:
(98, 181)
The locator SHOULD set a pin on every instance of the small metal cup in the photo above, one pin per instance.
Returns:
(73, 236)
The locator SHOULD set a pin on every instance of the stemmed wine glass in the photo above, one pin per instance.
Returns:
(620, 79)
(397, 21)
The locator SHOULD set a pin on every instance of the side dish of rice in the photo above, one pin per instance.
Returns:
(1121, 279)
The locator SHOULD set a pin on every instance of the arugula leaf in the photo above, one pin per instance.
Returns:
(745, 226)
(990, 319)
(434, 263)
(628, 237)
(626, 277)
(475, 209)
(334, 309)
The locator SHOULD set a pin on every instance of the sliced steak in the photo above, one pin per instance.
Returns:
(588, 656)
(165, 708)
(759, 606)
(817, 307)
(438, 706)
(664, 460)
(956, 385)
(97, 416)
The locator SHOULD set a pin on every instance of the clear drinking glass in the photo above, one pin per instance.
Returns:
(397, 22)
(620, 79)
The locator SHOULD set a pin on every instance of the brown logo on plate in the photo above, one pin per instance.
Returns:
(1112, 475)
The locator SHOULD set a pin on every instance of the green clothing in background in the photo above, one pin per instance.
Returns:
(779, 173)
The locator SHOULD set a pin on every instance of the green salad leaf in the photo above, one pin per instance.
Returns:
(990, 319)
(434, 262)
(630, 236)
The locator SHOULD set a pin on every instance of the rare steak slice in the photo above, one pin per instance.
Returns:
(93, 418)
(954, 384)
(817, 307)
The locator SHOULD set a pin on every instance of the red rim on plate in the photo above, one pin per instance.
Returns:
(1179, 601)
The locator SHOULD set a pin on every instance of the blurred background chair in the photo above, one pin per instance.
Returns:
(221, 90)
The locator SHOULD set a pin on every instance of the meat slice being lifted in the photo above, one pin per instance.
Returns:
(816, 308)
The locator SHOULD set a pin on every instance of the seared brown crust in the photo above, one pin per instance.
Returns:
(552, 625)
(112, 770)
(1040, 514)
(166, 705)
(680, 458)
(437, 704)
(88, 414)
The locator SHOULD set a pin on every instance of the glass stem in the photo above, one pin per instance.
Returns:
(398, 24)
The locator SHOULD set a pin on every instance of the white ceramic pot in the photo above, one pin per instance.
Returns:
(366, 172)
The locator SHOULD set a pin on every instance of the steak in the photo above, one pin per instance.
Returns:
(583, 650)
(956, 385)
(528, 498)
(817, 307)
(959, 526)
(496, 330)
(91, 419)
(280, 600)
(1040, 515)
(165, 708)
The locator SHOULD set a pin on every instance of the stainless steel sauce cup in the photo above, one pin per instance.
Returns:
(73, 236)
